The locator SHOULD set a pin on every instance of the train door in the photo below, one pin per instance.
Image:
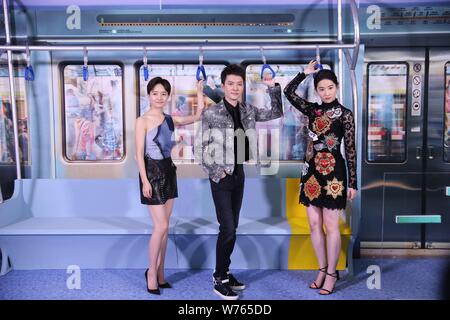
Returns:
(437, 178)
(406, 165)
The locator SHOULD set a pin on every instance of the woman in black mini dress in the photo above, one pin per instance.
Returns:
(157, 172)
(324, 185)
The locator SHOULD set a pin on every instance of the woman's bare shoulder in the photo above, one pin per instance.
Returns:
(149, 121)
(147, 118)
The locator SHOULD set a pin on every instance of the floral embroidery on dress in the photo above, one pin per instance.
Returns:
(325, 162)
(318, 112)
(334, 113)
(312, 135)
(319, 146)
(334, 188)
(312, 188)
(305, 169)
(321, 124)
(330, 141)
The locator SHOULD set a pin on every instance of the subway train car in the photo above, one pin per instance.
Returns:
(79, 80)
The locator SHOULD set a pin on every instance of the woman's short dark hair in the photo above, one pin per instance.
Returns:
(325, 74)
(158, 80)
(233, 69)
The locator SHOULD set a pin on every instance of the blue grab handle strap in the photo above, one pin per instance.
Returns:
(85, 73)
(146, 73)
(200, 72)
(267, 66)
(29, 73)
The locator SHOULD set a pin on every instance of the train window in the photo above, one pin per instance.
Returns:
(184, 98)
(93, 113)
(387, 92)
(447, 114)
(7, 154)
(292, 126)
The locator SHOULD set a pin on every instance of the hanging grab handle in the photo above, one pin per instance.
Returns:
(318, 64)
(29, 73)
(85, 65)
(201, 73)
(144, 59)
(265, 65)
(201, 68)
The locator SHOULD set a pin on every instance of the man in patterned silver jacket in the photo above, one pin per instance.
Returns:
(228, 137)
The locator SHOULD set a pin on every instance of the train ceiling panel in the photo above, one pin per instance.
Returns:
(190, 23)
(405, 19)
(284, 23)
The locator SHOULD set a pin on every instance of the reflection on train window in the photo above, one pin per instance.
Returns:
(292, 127)
(7, 153)
(93, 113)
(447, 115)
(183, 100)
(387, 90)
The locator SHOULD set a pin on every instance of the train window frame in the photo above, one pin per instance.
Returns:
(137, 67)
(249, 62)
(21, 64)
(61, 67)
(446, 66)
(407, 102)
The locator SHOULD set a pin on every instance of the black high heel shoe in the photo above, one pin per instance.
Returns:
(165, 285)
(327, 292)
(314, 284)
(152, 291)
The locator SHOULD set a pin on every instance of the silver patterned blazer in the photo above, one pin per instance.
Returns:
(215, 147)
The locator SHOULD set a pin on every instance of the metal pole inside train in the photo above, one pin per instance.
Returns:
(12, 90)
(352, 60)
(178, 48)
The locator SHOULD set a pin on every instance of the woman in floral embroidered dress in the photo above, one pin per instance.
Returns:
(324, 186)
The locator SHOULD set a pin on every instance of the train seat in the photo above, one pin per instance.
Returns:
(109, 228)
